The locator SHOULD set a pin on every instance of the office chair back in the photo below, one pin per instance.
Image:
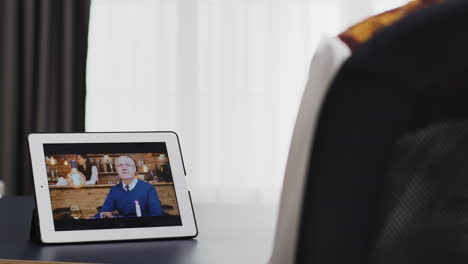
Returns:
(387, 173)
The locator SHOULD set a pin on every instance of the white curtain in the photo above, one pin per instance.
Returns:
(226, 75)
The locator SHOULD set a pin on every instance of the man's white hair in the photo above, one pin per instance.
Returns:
(118, 158)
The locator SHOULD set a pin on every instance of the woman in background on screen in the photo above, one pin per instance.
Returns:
(85, 167)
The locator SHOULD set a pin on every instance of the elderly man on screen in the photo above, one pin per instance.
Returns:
(131, 197)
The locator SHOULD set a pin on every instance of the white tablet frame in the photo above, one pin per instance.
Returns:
(43, 202)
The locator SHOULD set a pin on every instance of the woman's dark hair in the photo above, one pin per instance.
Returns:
(87, 172)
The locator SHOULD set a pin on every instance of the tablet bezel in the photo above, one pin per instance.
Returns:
(42, 193)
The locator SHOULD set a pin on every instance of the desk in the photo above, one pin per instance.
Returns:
(227, 234)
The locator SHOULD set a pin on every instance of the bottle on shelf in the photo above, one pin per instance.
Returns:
(103, 165)
(100, 167)
(75, 178)
(57, 174)
(108, 166)
(151, 176)
(137, 166)
(49, 176)
(112, 166)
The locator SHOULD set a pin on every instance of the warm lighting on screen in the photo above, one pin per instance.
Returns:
(53, 161)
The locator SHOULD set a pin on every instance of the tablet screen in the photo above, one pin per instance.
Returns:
(110, 185)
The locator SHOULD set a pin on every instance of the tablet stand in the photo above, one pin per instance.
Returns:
(35, 232)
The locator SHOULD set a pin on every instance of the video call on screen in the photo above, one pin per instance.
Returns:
(111, 185)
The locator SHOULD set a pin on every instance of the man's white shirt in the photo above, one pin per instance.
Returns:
(131, 185)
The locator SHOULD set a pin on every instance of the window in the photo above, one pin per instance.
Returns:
(226, 75)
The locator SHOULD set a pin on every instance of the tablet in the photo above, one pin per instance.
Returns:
(110, 186)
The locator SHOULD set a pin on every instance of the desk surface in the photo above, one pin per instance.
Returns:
(227, 234)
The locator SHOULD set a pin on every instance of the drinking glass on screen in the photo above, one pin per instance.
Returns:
(75, 211)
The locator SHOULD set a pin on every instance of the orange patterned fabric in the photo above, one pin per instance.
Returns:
(363, 31)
